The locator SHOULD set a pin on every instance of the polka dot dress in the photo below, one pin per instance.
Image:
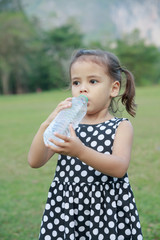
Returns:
(85, 204)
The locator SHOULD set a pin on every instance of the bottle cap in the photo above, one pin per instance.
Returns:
(84, 97)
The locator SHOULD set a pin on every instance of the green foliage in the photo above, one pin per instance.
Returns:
(16, 47)
(136, 55)
(32, 59)
(140, 58)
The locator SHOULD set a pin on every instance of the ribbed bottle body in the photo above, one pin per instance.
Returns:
(68, 116)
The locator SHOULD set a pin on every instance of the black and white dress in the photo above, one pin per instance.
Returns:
(85, 204)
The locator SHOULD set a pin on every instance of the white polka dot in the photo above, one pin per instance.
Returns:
(121, 225)
(96, 219)
(57, 210)
(95, 133)
(98, 194)
(49, 225)
(120, 214)
(66, 218)
(101, 224)
(43, 230)
(47, 237)
(121, 237)
(54, 233)
(66, 206)
(111, 224)
(101, 137)
(134, 231)
(49, 194)
(108, 131)
(138, 225)
(131, 206)
(51, 214)
(108, 199)
(90, 129)
(109, 212)
(125, 197)
(139, 237)
(133, 219)
(48, 206)
(98, 206)
(45, 218)
(128, 232)
(81, 228)
(88, 139)
(126, 208)
(100, 237)
(100, 148)
(67, 168)
(107, 142)
(62, 174)
(59, 198)
(63, 162)
(106, 230)
(93, 144)
(81, 218)
(77, 167)
(95, 231)
(72, 161)
(90, 179)
(71, 173)
(102, 128)
(112, 192)
(125, 185)
(86, 201)
(83, 134)
(56, 221)
(61, 228)
(114, 204)
(126, 220)
(84, 173)
(113, 237)
(71, 224)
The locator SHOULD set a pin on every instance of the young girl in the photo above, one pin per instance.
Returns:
(90, 196)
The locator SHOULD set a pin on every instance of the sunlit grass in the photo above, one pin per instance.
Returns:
(23, 191)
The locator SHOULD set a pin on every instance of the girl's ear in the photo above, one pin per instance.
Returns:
(115, 89)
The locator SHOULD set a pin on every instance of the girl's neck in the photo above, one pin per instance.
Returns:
(96, 118)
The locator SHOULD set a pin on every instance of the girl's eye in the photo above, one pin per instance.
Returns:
(93, 81)
(76, 83)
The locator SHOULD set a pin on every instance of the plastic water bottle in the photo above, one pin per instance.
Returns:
(64, 118)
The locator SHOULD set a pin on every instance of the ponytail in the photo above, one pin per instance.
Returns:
(127, 97)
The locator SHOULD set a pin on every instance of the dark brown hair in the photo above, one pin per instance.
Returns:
(112, 67)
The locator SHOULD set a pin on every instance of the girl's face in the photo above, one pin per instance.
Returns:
(90, 79)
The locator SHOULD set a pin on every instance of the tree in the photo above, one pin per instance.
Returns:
(139, 57)
(60, 43)
(16, 44)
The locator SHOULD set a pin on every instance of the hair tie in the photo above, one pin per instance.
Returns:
(122, 69)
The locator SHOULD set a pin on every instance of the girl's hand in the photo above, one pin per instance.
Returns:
(71, 146)
(67, 103)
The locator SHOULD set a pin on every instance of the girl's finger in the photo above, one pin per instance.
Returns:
(63, 137)
(72, 131)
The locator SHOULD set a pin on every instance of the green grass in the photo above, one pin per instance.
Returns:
(23, 191)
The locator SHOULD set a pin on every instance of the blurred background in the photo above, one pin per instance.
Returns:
(37, 39)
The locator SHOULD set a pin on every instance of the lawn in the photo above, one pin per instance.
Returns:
(23, 190)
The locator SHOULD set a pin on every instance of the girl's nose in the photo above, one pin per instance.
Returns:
(83, 89)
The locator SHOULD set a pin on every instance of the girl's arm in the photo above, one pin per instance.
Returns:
(114, 165)
(39, 154)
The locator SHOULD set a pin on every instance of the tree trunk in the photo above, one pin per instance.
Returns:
(5, 82)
